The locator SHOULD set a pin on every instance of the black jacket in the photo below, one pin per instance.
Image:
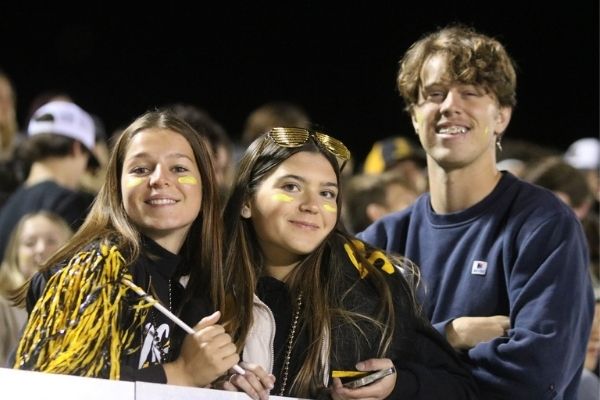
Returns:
(158, 340)
(427, 366)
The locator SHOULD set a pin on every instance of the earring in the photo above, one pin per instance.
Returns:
(245, 212)
(499, 144)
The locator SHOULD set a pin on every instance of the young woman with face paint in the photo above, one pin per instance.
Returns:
(307, 304)
(155, 222)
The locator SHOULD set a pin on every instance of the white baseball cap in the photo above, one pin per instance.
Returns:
(67, 119)
(584, 153)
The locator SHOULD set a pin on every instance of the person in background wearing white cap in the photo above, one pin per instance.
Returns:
(584, 154)
(59, 146)
(504, 262)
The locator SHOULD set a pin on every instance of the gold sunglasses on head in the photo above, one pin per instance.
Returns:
(296, 137)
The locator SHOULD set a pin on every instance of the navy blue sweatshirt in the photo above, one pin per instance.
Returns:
(519, 252)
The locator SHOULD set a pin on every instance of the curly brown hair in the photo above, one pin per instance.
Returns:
(472, 58)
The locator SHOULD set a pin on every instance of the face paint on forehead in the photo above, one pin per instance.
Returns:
(188, 180)
(282, 197)
(134, 181)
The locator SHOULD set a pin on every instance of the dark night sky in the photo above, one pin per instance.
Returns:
(339, 63)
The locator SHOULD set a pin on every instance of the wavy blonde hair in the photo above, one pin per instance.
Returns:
(11, 277)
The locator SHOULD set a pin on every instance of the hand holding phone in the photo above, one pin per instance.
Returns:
(370, 378)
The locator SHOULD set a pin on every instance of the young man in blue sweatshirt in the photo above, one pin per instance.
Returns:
(504, 263)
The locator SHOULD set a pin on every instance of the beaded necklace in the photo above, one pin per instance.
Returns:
(290, 345)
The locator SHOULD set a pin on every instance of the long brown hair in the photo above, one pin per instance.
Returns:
(108, 221)
(318, 276)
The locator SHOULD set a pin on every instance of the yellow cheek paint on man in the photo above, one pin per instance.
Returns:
(134, 181)
(282, 197)
(330, 208)
(419, 121)
(188, 180)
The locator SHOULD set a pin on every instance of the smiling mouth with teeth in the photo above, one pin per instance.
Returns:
(453, 130)
(161, 202)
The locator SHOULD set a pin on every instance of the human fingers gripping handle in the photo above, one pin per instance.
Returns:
(207, 329)
(207, 321)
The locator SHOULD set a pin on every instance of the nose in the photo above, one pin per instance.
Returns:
(309, 203)
(40, 251)
(159, 177)
(451, 103)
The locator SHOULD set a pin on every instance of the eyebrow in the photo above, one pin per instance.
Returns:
(444, 83)
(170, 155)
(301, 179)
(435, 85)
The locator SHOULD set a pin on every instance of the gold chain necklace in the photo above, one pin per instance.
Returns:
(290, 345)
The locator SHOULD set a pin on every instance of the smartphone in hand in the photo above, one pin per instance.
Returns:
(370, 378)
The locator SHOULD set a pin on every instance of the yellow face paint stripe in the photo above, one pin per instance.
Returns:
(188, 180)
(330, 208)
(419, 120)
(282, 197)
(134, 181)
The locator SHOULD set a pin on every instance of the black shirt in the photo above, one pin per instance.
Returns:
(158, 340)
(71, 205)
